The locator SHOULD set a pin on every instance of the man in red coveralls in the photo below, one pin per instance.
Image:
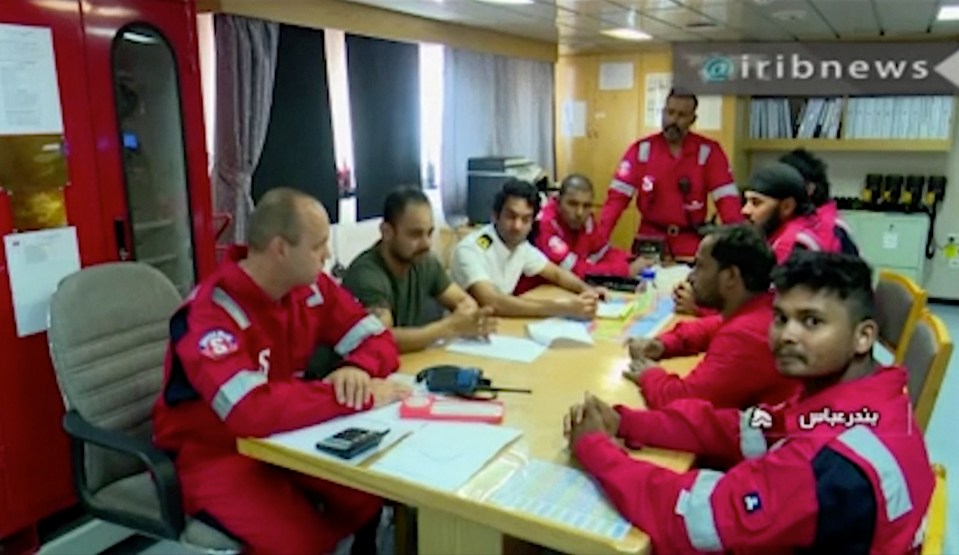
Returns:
(731, 274)
(671, 174)
(831, 228)
(841, 468)
(570, 238)
(235, 348)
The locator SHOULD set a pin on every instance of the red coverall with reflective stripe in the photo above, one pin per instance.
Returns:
(581, 251)
(843, 471)
(232, 371)
(651, 173)
(738, 369)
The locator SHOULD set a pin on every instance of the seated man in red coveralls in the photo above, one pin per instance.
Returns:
(568, 235)
(731, 275)
(841, 468)
(236, 347)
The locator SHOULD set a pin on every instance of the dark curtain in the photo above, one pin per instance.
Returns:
(299, 143)
(385, 110)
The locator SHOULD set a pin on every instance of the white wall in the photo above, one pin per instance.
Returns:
(847, 173)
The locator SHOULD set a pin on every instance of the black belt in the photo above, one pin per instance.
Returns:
(673, 230)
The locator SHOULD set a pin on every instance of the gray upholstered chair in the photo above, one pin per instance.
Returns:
(108, 333)
(899, 302)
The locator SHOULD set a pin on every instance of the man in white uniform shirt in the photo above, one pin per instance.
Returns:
(489, 261)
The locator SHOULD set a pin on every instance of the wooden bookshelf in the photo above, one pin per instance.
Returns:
(849, 145)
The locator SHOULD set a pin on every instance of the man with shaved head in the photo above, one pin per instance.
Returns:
(237, 349)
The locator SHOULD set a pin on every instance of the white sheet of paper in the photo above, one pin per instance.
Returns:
(36, 262)
(503, 347)
(561, 494)
(616, 76)
(445, 455)
(890, 240)
(657, 89)
(545, 332)
(574, 119)
(612, 310)
(383, 418)
(29, 93)
(709, 114)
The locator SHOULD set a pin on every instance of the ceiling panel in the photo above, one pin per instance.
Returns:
(850, 18)
(905, 18)
(577, 24)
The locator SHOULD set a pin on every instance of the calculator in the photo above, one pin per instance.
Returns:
(351, 442)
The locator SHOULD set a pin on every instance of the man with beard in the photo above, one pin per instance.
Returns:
(840, 468)
(671, 174)
(833, 233)
(488, 262)
(731, 275)
(396, 278)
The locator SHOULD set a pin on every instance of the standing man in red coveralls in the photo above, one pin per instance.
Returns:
(236, 346)
(569, 237)
(731, 274)
(671, 174)
(841, 468)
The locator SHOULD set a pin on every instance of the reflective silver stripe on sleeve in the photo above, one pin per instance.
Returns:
(234, 390)
(598, 255)
(752, 441)
(696, 508)
(704, 151)
(623, 187)
(367, 326)
(892, 481)
(643, 154)
(316, 299)
(226, 302)
(727, 190)
(589, 225)
(569, 261)
(808, 241)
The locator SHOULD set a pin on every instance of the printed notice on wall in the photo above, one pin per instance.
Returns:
(657, 90)
(709, 115)
(29, 95)
(36, 262)
(616, 76)
(574, 119)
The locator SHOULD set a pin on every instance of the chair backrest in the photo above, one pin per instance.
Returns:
(926, 357)
(899, 302)
(108, 335)
(937, 515)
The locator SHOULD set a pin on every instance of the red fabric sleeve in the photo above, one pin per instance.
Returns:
(622, 189)
(764, 503)
(726, 376)
(689, 425)
(614, 262)
(359, 337)
(690, 337)
(722, 186)
(221, 370)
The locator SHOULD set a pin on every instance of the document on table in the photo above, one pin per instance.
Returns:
(654, 322)
(561, 494)
(516, 349)
(558, 330)
(614, 310)
(384, 418)
(445, 455)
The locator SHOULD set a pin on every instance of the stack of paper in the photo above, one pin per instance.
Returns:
(561, 494)
(516, 349)
(615, 309)
(557, 330)
(445, 455)
(385, 418)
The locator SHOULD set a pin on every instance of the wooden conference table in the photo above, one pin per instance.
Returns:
(462, 521)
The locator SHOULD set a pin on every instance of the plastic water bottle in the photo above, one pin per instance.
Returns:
(647, 288)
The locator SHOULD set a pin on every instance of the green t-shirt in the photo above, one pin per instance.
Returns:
(408, 297)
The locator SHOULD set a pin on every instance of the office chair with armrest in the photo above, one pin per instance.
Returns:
(108, 335)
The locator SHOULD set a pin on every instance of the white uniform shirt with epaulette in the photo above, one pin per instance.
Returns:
(482, 256)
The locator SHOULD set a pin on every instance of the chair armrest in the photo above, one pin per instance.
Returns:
(158, 463)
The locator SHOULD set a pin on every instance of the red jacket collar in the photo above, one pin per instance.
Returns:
(238, 283)
(550, 216)
(759, 303)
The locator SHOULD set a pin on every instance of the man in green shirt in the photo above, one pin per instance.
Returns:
(396, 278)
